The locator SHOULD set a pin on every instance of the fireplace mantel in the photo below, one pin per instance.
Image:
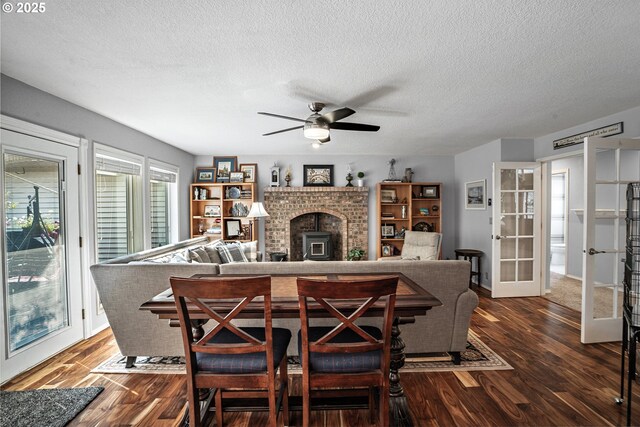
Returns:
(349, 204)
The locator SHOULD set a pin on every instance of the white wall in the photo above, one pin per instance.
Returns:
(376, 168)
(474, 227)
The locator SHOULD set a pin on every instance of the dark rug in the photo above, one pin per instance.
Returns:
(46, 408)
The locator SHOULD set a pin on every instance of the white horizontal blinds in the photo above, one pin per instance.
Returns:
(117, 179)
(160, 175)
(162, 180)
(160, 215)
(106, 163)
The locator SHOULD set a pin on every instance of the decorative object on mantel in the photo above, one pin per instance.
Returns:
(318, 175)
(287, 176)
(349, 177)
(408, 175)
(275, 175)
(257, 211)
(392, 172)
(603, 132)
(361, 179)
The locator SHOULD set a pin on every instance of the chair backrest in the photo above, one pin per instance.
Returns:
(234, 294)
(424, 245)
(371, 290)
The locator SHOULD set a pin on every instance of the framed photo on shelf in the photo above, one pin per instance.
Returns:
(236, 176)
(224, 166)
(388, 231)
(206, 175)
(387, 250)
(388, 196)
(250, 171)
(233, 228)
(212, 211)
(318, 175)
(430, 192)
(475, 195)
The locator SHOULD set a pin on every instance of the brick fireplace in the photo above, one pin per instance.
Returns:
(340, 211)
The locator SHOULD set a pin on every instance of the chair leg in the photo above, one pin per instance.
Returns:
(219, 414)
(372, 405)
(306, 399)
(284, 382)
(271, 389)
(456, 357)
(130, 361)
(384, 403)
(193, 397)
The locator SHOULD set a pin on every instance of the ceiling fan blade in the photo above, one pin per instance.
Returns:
(282, 130)
(338, 114)
(354, 126)
(282, 117)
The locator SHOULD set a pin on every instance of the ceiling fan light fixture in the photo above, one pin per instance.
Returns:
(316, 130)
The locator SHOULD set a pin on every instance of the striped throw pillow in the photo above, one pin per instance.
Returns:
(232, 252)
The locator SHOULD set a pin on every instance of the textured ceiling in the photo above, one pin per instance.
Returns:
(438, 76)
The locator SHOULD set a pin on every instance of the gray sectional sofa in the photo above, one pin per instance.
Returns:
(127, 282)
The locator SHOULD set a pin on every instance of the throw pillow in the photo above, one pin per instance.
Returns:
(211, 250)
(178, 258)
(250, 250)
(199, 254)
(231, 253)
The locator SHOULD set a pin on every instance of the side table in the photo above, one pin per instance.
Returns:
(470, 255)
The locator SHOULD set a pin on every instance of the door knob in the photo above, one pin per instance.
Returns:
(594, 252)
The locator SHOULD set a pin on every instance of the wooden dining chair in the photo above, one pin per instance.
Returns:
(229, 356)
(347, 355)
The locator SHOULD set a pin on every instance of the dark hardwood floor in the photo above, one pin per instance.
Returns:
(555, 380)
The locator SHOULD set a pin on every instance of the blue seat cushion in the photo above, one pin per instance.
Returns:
(342, 362)
(244, 363)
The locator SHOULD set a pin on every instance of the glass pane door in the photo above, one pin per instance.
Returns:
(41, 261)
(37, 303)
(516, 268)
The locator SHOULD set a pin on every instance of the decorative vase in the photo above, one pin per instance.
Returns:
(349, 179)
(360, 182)
(287, 178)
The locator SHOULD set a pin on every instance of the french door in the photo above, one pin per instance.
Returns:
(516, 230)
(609, 165)
(41, 271)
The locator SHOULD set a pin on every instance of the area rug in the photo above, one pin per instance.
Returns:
(44, 408)
(567, 292)
(476, 357)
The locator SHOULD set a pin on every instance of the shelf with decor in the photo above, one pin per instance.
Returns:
(220, 210)
(409, 205)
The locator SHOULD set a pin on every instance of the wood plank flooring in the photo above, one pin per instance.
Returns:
(555, 381)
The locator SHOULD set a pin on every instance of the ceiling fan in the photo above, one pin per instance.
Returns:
(317, 126)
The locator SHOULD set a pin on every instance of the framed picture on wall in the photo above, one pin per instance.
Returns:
(475, 195)
(318, 175)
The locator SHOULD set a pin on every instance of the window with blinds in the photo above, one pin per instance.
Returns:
(163, 209)
(118, 192)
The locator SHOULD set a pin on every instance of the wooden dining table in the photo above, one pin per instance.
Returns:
(411, 300)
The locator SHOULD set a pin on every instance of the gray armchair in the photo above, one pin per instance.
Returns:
(419, 245)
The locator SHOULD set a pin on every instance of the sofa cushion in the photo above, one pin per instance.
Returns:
(232, 252)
